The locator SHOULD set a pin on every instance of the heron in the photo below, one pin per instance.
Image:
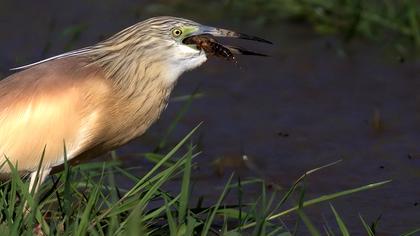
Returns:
(86, 102)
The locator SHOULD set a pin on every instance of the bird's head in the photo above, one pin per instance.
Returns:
(166, 35)
(166, 42)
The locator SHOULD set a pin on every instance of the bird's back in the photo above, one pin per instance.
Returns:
(52, 106)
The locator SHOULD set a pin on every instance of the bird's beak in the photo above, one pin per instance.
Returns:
(218, 32)
(207, 32)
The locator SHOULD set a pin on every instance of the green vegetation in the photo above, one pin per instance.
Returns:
(372, 19)
(85, 199)
(394, 22)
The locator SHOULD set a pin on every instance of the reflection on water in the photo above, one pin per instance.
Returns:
(309, 104)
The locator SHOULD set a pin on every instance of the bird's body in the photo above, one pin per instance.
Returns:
(89, 101)
(67, 106)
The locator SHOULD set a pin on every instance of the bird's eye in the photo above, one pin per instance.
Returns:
(176, 32)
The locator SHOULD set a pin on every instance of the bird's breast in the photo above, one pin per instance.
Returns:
(132, 115)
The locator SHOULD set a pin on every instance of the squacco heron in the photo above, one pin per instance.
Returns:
(95, 99)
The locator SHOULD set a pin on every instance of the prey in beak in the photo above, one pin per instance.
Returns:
(204, 39)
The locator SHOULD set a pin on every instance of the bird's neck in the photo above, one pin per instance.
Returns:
(133, 76)
(140, 92)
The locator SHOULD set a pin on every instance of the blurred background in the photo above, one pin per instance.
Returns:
(342, 83)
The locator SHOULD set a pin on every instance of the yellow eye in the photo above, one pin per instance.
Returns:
(176, 32)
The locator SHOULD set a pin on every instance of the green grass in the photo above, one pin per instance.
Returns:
(86, 200)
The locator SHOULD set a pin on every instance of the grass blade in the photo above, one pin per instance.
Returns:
(209, 220)
(185, 191)
(367, 228)
(305, 219)
(340, 222)
(324, 198)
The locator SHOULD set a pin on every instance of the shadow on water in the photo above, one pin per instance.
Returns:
(311, 103)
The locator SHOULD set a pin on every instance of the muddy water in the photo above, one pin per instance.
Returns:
(311, 103)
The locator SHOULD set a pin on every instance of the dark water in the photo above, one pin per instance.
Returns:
(313, 102)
